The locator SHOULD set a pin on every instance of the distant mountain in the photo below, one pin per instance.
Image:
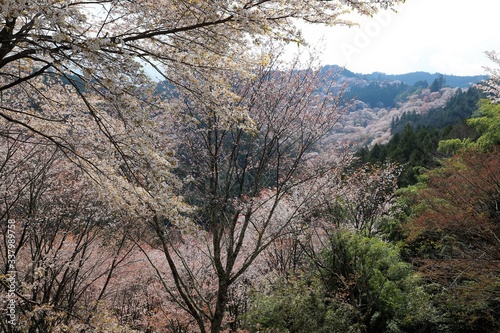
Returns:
(345, 71)
(453, 81)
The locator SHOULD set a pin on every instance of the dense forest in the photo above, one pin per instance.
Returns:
(416, 137)
(376, 93)
(239, 192)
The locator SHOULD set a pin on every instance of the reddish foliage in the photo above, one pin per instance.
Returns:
(462, 207)
(455, 238)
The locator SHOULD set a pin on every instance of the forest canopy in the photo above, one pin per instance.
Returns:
(219, 203)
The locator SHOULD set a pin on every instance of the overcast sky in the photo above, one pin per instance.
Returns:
(444, 36)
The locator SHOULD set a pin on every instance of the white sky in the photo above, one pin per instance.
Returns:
(444, 36)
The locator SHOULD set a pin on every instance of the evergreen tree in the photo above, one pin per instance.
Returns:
(461, 106)
(438, 83)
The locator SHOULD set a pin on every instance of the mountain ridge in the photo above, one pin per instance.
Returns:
(455, 81)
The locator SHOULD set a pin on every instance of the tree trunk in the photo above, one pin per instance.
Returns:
(220, 306)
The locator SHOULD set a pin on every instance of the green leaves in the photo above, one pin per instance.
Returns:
(358, 284)
(487, 123)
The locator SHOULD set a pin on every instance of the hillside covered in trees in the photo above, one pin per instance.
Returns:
(416, 137)
(246, 193)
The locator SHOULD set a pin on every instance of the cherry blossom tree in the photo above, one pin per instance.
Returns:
(73, 72)
(363, 199)
(102, 47)
(66, 245)
(247, 182)
(492, 85)
(73, 76)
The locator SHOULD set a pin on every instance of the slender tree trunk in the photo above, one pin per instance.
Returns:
(220, 306)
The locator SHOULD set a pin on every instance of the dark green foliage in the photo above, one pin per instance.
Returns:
(371, 277)
(377, 94)
(421, 84)
(416, 149)
(460, 107)
(416, 137)
(358, 284)
(300, 306)
(411, 148)
(438, 83)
